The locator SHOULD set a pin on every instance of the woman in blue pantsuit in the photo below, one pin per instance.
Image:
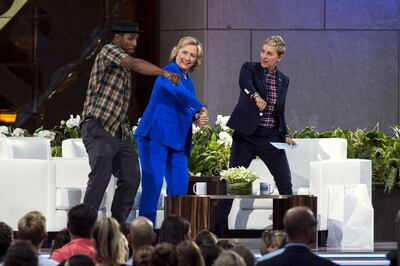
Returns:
(164, 133)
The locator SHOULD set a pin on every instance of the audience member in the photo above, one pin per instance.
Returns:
(164, 254)
(246, 255)
(81, 220)
(32, 227)
(300, 224)
(140, 234)
(6, 239)
(143, 256)
(109, 243)
(188, 230)
(225, 244)
(78, 260)
(61, 239)
(392, 257)
(272, 240)
(173, 230)
(21, 253)
(272, 243)
(205, 237)
(229, 258)
(189, 254)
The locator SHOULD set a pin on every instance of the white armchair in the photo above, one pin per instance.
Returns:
(71, 176)
(27, 178)
(306, 163)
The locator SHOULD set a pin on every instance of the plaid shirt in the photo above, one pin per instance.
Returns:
(109, 91)
(269, 117)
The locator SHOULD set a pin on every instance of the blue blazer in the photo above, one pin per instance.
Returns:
(169, 115)
(246, 115)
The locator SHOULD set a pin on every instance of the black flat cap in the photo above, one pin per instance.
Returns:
(126, 26)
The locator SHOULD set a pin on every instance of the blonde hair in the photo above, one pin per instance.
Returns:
(272, 239)
(277, 42)
(188, 40)
(109, 242)
(32, 226)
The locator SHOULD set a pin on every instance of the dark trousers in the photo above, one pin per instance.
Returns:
(244, 150)
(110, 155)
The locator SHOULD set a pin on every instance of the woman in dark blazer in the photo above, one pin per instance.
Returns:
(164, 134)
(259, 118)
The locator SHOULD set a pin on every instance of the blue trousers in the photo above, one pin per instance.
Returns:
(158, 161)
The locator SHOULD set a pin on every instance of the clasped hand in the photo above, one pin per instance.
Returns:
(203, 117)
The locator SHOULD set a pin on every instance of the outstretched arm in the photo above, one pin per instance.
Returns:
(146, 68)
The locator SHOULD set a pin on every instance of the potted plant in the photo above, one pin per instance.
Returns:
(211, 148)
(239, 180)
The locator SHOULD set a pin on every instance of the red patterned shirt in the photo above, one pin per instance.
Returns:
(269, 118)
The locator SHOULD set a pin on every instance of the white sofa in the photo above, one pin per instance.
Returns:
(32, 180)
(27, 178)
(309, 162)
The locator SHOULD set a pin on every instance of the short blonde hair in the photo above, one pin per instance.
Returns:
(32, 226)
(277, 42)
(188, 40)
(108, 242)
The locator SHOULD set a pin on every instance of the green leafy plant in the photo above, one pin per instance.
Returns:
(211, 148)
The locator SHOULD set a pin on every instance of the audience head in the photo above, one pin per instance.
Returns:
(164, 254)
(225, 244)
(109, 242)
(63, 237)
(21, 253)
(142, 256)
(81, 220)
(229, 258)
(172, 230)
(300, 223)
(210, 253)
(205, 237)
(272, 240)
(78, 260)
(189, 254)
(32, 227)
(141, 233)
(246, 255)
(6, 239)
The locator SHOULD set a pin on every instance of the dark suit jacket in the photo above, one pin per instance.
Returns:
(296, 256)
(246, 115)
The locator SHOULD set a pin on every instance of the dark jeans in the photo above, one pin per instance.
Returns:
(110, 155)
(244, 150)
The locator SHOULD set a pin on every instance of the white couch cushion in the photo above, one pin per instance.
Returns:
(72, 148)
(25, 148)
(66, 198)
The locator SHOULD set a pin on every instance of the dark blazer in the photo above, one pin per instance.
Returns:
(296, 256)
(246, 115)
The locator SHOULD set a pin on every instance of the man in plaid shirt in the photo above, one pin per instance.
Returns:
(105, 127)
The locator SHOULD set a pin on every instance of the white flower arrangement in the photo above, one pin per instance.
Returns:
(239, 175)
(4, 131)
(73, 122)
(224, 138)
(45, 134)
(18, 132)
(222, 121)
(195, 129)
